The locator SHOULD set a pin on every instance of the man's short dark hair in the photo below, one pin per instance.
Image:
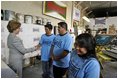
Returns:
(49, 26)
(63, 25)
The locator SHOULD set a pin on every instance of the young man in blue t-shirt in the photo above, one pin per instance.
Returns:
(60, 51)
(45, 43)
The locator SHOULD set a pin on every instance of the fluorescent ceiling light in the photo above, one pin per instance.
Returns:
(86, 19)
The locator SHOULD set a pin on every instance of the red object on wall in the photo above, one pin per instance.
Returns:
(51, 6)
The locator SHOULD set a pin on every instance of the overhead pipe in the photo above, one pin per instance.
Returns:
(85, 8)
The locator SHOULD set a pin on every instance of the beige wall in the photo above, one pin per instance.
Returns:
(69, 13)
(35, 8)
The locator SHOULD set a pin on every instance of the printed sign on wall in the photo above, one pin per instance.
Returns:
(100, 21)
(76, 14)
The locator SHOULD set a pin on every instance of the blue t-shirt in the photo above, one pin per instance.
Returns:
(83, 68)
(62, 43)
(46, 42)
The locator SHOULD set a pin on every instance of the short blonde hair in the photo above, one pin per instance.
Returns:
(13, 25)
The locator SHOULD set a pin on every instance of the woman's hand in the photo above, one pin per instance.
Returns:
(37, 47)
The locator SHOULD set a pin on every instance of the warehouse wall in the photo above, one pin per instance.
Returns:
(35, 8)
(109, 21)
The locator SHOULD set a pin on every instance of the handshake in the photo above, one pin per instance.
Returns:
(37, 47)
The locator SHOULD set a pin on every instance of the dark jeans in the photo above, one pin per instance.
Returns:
(46, 66)
(59, 72)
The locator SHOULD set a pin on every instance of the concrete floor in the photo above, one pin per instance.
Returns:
(35, 71)
(110, 70)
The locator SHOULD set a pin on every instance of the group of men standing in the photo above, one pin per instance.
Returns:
(55, 51)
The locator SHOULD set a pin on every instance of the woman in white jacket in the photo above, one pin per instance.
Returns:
(16, 48)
